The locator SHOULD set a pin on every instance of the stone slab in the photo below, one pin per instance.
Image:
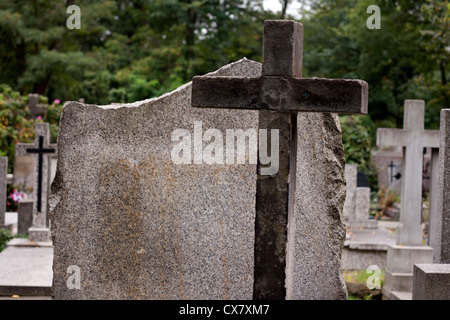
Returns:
(431, 282)
(397, 295)
(365, 247)
(24, 242)
(400, 266)
(26, 271)
(367, 239)
(351, 172)
(25, 216)
(401, 259)
(148, 228)
(442, 235)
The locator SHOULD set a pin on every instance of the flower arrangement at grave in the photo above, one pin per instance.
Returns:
(13, 198)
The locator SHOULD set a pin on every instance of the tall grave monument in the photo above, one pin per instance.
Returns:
(139, 226)
(41, 150)
(409, 248)
(357, 201)
(432, 281)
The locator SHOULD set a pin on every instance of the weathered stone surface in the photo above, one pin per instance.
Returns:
(431, 282)
(282, 93)
(351, 171)
(138, 225)
(315, 227)
(400, 265)
(442, 240)
(25, 216)
(282, 55)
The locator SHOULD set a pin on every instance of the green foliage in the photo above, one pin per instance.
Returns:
(435, 41)
(15, 125)
(399, 61)
(5, 236)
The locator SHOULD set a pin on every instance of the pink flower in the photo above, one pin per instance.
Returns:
(39, 117)
(57, 101)
(8, 203)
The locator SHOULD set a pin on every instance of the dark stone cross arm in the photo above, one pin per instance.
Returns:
(281, 94)
(281, 86)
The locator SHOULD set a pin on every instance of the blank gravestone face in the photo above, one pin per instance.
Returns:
(24, 172)
(140, 226)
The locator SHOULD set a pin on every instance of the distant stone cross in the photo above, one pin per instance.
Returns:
(42, 150)
(279, 94)
(413, 138)
(391, 166)
(34, 107)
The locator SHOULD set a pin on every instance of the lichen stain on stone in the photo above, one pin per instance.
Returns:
(120, 234)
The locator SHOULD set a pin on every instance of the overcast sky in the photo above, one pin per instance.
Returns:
(275, 6)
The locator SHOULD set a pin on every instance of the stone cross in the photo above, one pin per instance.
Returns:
(279, 93)
(391, 166)
(34, 107)
(41, 150)
(413, 138)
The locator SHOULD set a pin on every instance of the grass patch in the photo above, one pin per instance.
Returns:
(361, 276)
(5, 236)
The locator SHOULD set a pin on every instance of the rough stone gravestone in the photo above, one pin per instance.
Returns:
(409, 248)
(137, 224)
(36, 109)
(24, 216)
(3, 195)
(357, 201)
(433, 199)
(351, 171)
(280, 93)
(41, 150)
(432, 281)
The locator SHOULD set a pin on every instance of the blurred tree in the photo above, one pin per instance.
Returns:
(396, 61)
(436, 42)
